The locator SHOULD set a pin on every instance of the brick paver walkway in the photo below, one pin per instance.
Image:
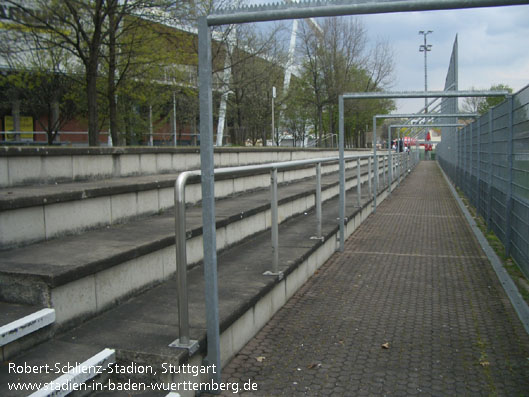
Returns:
(412, 279)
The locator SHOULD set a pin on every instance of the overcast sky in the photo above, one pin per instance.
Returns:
(493, 47)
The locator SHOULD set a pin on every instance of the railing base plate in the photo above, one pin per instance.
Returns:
(278, 274)
(192, 346)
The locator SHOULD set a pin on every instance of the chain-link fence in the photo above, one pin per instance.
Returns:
(489, 161)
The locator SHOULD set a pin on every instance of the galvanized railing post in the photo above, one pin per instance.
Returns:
(341, 177)
(376, 174)
(358, 182)
(184, 340)
(318, 200)
(390, 169)
(384, 179)
(369, 192)
(399, 167)
(274, 221)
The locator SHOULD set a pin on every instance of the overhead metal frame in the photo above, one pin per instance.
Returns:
(386, 95)
(310, 9)
(269, 13)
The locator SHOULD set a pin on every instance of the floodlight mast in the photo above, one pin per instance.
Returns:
(425, 48)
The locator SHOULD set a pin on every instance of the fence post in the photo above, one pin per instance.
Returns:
(459, 157)
(489, 203)
(470, 154)
(508, 206)
(465, 160)
(478, 166)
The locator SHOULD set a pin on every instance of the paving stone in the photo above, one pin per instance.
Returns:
(412, 275)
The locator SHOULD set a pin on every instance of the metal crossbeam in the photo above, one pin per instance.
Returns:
(310, 9)
(423, 115)
(425, 125)
(423, 94)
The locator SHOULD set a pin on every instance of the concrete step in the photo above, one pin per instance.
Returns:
(30, 214)
(140, 329)
(101, 267)
(21, 166)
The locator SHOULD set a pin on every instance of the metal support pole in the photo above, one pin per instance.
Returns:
(150, 126)
(274, 221)
(369, 191)
(399, 158)
(183, 340)
(273, 125)
(375, 161)
(464, 158)
(318, 200)
(208, 197)
(342, 172)
(358, 182)
(174, 117)
(384, 179)
(390, 160)
(508, 214)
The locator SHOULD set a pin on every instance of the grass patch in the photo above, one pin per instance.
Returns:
(522, 283)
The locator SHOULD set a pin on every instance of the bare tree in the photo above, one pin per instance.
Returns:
(336, 60)
(472, 104)
(77, 27)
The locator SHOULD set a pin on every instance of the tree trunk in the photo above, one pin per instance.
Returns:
(112, 105)
(91, 94)
(320, 124)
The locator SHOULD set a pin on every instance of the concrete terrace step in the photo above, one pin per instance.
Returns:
(140, 329)
(101, 267)
(36, 213)
(25, 166)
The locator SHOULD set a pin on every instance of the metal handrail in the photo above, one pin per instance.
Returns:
(184, 340)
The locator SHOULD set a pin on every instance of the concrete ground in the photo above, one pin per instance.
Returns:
(412, 306)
